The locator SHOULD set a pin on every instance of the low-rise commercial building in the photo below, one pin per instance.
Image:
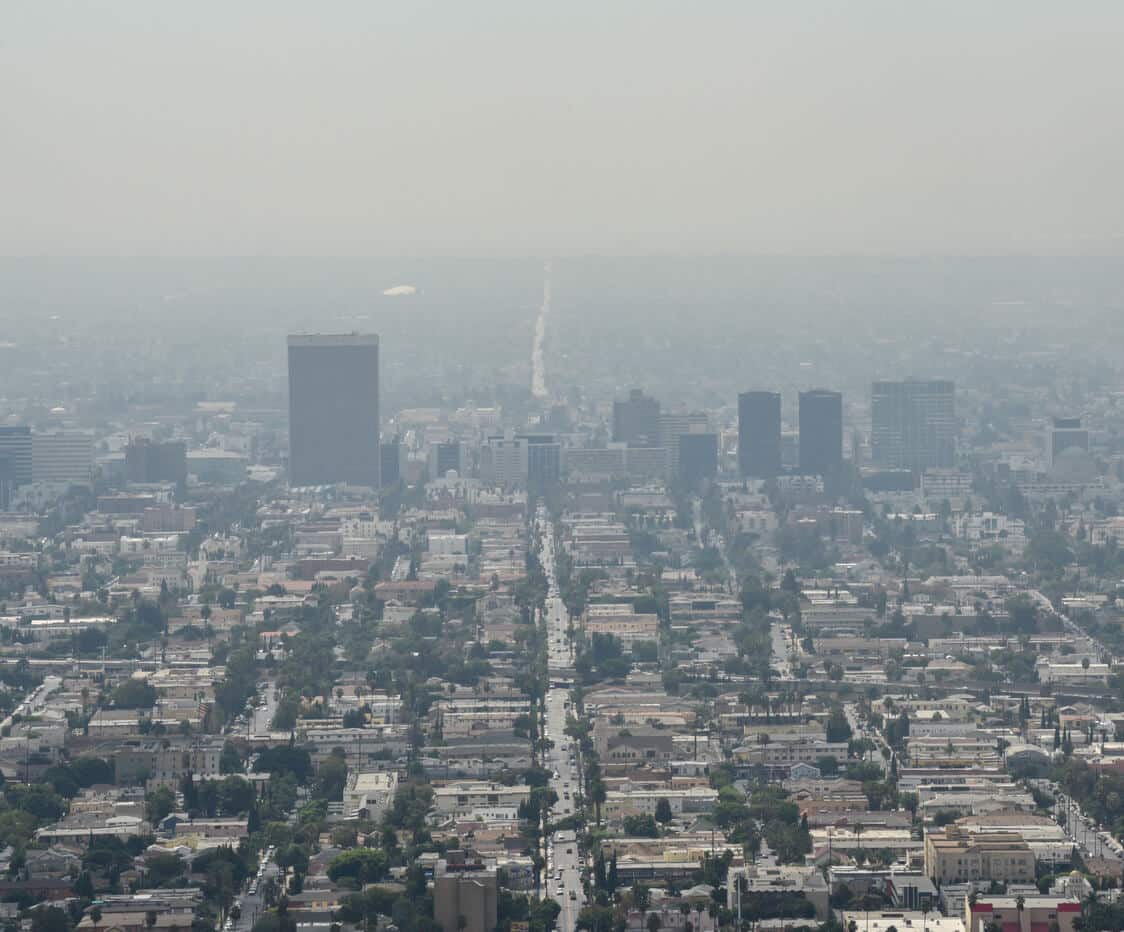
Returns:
(368, 794)
(1022, 914)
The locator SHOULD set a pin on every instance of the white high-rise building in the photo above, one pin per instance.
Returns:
(504, 460)
(63, 456)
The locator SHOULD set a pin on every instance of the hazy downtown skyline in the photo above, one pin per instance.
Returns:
(355, 128)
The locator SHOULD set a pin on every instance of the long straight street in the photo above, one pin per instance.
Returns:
(1091, 839)
(563, 863)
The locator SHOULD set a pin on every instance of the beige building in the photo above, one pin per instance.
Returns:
(485, 801)
(621, 622)
(465, 894)
(167, 763)
(783, 753)
(643, 800)
(471, 716)
(955, 855)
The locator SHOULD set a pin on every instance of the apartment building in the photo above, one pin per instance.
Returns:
(621, 622)
(955, 855)
(465, 893)
(781, 754)
(643, 800)
(167, 763)
(480, 799)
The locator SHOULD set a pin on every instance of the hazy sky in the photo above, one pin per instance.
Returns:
(364, 127)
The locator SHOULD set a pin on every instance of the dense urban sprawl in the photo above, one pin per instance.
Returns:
(612, 668)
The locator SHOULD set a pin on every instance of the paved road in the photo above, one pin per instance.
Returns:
(782, 648)
(1090, 838)
(563, 868)
(880, 757)
(256, 723)
(263, 714)
(252, 904)
(538, 365)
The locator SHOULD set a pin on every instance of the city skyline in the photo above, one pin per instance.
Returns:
(631, 467)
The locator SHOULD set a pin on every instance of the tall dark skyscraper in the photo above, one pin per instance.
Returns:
(15, 449)
(391, 462)
(698, 457)
(334, 409)
(913, 424)
(759, 434)
(149, 461)
(821, 432)
(637, 420)
(15, 461)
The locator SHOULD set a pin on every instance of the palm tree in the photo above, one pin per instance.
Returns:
(1020, 905)
(1087, 907)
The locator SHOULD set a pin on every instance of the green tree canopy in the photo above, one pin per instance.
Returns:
(134, 694)
(365, 865)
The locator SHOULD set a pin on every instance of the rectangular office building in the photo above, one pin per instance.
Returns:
(504, 460)
(698, 457)
(334, 409)
(391, 462)
(62, 457)
(759, 434)
(148, 461)
(636, 421)
(821, 433)
(913, 424)
(544, 459)
(15, 461)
